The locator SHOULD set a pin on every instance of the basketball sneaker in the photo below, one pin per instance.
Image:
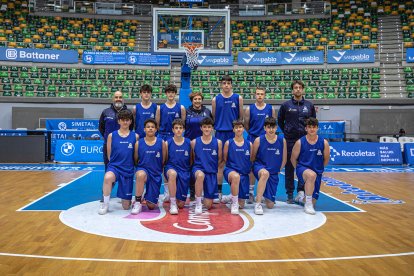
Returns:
(103, 209)
(198, 209)
(251, 198)
(217, 200)
(226, 199)
(290, 199)
(166, 198)
(136, 208)
(299, 197)
(235, 208)
(309, 209)
(173, 209)
(258, 209)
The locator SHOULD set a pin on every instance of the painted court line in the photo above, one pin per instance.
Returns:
(208, 261)
(48, 194)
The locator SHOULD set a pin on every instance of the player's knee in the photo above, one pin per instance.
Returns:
(208, 204)
(172, 174)
(269, 204)
(264, 174)
(310, 175)
(109, 177)
(200, 175)
(235, 177)
(180, 204)
(241, 203)
(141, 176)
(151, 206)
(126, 204)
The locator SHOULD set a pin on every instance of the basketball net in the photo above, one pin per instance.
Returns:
(192, 51)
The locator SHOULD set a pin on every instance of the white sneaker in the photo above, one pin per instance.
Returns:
(235, 208)
(136, 208)
(103, 209)
(217, 200)
(299, 197)
(309, 209)
(258, 209)
(198, 209)
(166, 198)
(226, 199)
(173, 209)
(251, 198)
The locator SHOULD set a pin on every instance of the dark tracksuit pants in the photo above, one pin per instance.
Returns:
(290, 171)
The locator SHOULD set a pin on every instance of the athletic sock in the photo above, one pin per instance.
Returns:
(166, 191)
(308, 199)
(106, 199)
(173, 200)
(251, 189)
(234, 199)
(138, 198)
(198, 200)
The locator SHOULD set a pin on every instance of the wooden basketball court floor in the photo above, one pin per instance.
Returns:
(378, 241)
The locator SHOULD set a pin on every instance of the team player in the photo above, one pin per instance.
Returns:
(254, 117)
(166, 114)
(207, 155)
(269, 153)
(144, 110)
(310, 155)
(151, 157)
(177, 168)
(121, 149)
(226, 107)
(237, 157)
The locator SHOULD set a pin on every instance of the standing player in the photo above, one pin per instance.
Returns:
(254, 117)
(166, 114)
(122, 146)
(236, 156)
(207, 157)
(144, 110)
(151, 157)
(269, 153)
(291, 119)
(310, 155)
(177, 169)
(226, 107)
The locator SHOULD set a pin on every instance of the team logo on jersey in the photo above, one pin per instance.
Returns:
(158, 155)
(319, 152)
(152, 115)
(233, 105)
(176, 115)
(214, 152)
(247, 152)
(186, 153)
(130, 146)
(277, 152)
(267, 116)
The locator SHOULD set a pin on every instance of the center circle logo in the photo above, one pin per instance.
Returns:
(217, 225)
(67, 149)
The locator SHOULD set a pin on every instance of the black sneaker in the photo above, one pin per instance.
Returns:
(290, 199)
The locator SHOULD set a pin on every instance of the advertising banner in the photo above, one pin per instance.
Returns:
(90, 57)
(258, 59)
(141, 58)
(215, 60)
(72, 124)
(351, 56)
(38, 55)
(305, 57)
(79, 151)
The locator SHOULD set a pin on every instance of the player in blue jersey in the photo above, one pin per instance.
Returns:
(121, 149)
(237, 157)
(310, 155)
(207, 156)
(226, 107)
(151, 158)
(144, 110)
(166, 114)
(254, 117)
(269, 153)
(178, 166)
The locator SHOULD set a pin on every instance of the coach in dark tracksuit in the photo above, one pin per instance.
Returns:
(108, 122)
(291, 117)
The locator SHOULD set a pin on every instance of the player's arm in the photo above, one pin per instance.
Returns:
(225, 151)
(240, 108)
(284, 154)
(102, 124)
(295, 153)
(157, 116)
(136, 149)
(164, 152)
(256, 145)
(220, 151)
(213, 108)
(247, 118)
(326, 153)
(273, 113)
(313, 111)
(109, 146)
(183, 114)
(193, 142)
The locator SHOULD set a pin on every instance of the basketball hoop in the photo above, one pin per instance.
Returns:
(191, 52)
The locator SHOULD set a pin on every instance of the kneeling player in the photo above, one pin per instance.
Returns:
(236, 156)
(177, 169)
(121, 147)
(151, 157)
(310, 155)
(269, 153)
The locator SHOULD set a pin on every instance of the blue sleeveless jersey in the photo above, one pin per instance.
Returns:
(311, 156)
(122, 153)
(257, 118)
(270, 155)
(238, 158)
(141, 115)
(150, 157)
(167, 116)
(179, 156)
(206, 156)
(227, 110)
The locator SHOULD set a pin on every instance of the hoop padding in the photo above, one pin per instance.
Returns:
(192, 51)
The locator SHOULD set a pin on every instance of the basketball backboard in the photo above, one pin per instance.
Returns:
(174, 26)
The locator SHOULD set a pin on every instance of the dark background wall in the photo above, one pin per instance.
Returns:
(386, 121)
